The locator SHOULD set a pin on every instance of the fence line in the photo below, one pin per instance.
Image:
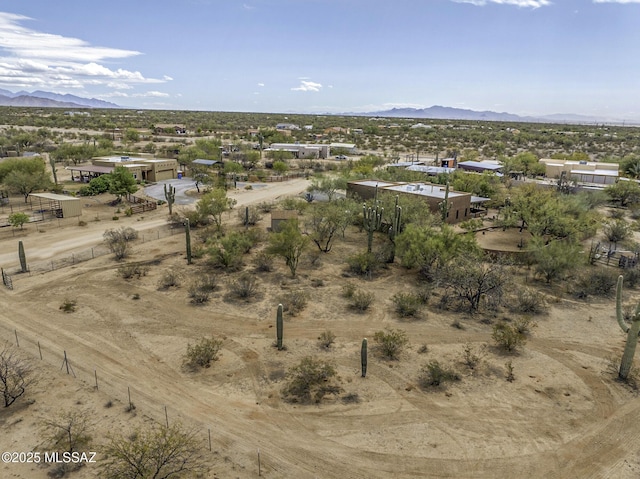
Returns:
(109, 385)
(15, 273)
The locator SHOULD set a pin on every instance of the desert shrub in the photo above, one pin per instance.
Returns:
(471, 357)
(508, 337)
(317, 282)
(265, 207)
(174, 220)
(348, 290)
(207, 282)
(293, 302)
(524, 325)
(202, 353)
(631, 277)
(252, 218)
(198, 292)
(351, 398)
(509, 376)
(595, 282)
(326, 339)
(529, 301)
(391, 342)
(309, 380)
(407, 305)
(168, 280)
(118, 241)
(361, 300)
(129, 271)
(69, 305)
(363, 264)
(263, 262)
(245, 287)
(433, 374)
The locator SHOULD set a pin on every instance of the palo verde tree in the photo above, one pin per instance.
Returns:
(159, 453)
(213, 204)
(288, 243)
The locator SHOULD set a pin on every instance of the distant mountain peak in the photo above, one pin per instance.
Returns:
(44, 99)
(439, 112)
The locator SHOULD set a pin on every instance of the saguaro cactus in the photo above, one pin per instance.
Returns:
(23, 258)
(363, 357)
(372, 221)
(170, 195)
(187, 232)
(631, 331)
(279, 327)
(394, 229)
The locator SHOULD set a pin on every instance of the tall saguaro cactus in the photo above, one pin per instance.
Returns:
(363, 357)
(279, 327)
(631, 331)
(23, 258)
(394, 229)
(170, 195)
(372, 221)
(187, 232)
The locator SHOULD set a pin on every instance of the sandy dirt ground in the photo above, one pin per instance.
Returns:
(563, 417)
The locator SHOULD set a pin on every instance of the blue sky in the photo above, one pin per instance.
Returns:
(529, 57)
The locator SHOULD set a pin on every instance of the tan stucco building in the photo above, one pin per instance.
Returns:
(460, 203)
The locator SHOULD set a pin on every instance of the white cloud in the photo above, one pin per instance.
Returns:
(260, 84)
(308, 86)
(29, 58)
(517, 3)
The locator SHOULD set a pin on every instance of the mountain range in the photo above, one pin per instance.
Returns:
(448, 113)
(45, 99)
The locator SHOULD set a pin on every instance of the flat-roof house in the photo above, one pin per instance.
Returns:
(142, 169)
(462, 206)
(480, 166)
(301, 150)
(582, 171)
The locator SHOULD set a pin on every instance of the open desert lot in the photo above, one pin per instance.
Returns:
(563, 416)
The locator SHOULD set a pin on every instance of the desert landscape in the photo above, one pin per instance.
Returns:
(563, 414)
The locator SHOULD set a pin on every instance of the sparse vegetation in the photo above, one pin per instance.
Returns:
(361, 300)
(311, 380)
(326, 339)
(433, 374)
(202, 353)
(293, 302)
(508, 337)
(391, 342)
(407, 305)
(69, 306)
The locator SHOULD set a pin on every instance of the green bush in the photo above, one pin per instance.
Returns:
(245, 287)
(169, 280)
(263, 262)
(391, 342)
(311, 379)
(326, 339)
(293, 302)
(596, 281)
(508, 336)
(361, 300)
(407, 305)
(201, 354)
(529, 301)
(434, 375)
(364, 264)
(69, 305)
(129, 271)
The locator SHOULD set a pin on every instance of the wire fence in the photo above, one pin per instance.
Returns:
(115, 388)
(15, 273)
